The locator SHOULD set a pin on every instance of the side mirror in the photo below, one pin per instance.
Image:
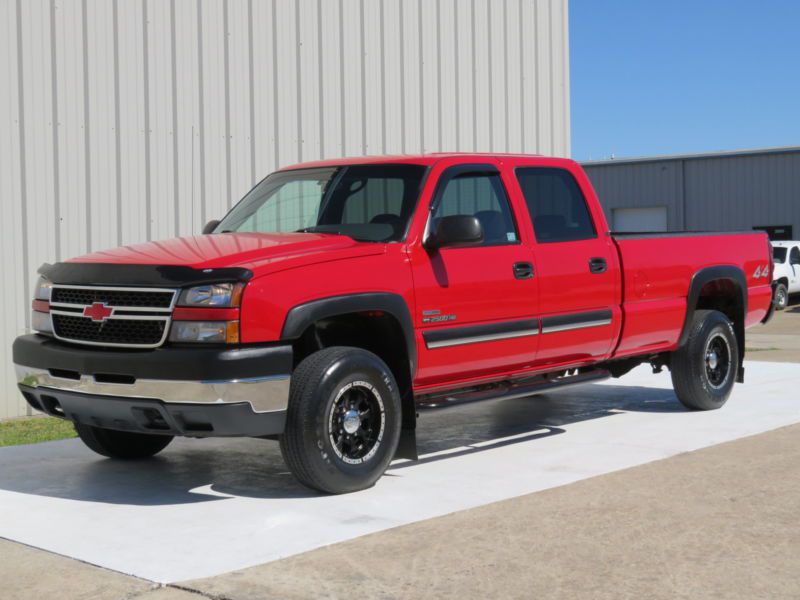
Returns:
(455, 230)
(210, 226)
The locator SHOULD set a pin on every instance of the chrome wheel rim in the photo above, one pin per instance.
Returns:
(717, 360)
(357, 422)
(780, 298)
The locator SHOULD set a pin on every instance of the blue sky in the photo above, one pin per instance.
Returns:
(674, 76)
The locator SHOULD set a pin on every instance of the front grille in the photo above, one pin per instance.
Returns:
(127, 332)
(135, 317)
(117, 297)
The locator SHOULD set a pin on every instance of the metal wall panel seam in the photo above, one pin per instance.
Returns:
(552, 77)
(341, 78)
(505, 68)
(175, 164)
(86, 127)
(564, 70)
(457, 95)
(23, 173)
(117, 137)
(298, 81)
(381, 18)
(536, 77)
(146, 68)
(474, 84)
(490, 82)
(320, 83)
(201, 138)
(522, 107)
(421, 80)
(54, 117)
(275, 103)
(438, 26)
(226, 59)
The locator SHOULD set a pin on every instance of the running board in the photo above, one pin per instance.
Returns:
(507, 390)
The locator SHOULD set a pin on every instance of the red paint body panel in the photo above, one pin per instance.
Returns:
(644, 287)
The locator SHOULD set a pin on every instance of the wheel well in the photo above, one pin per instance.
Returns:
(378, 332)
(727, 297)
(723, 295)
(783, 280)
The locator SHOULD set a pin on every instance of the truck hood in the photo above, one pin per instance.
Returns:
(259, 252)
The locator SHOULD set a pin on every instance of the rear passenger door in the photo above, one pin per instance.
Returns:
(577, 269)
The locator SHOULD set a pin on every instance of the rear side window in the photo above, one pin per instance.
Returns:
(556, 205)
(482, 196)
(794, 256)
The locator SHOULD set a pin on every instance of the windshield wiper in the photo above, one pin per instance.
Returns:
(319, 229)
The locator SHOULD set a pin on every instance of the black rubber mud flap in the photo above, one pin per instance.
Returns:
(407, 446)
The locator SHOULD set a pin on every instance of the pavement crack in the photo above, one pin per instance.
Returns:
(200, 593)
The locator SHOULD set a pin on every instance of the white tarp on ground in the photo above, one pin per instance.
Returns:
(205, 507)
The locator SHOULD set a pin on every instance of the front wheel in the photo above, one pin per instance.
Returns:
(704, 368)
(781, 297)
(343, 421)
(121, 444)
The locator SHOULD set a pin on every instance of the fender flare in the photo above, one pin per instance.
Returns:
(699, 280)
(299, 318)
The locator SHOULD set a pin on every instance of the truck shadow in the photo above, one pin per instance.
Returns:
(212, 470)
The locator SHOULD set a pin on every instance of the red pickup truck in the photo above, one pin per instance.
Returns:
(340, 295)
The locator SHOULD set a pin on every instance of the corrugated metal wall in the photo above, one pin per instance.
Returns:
(128, 120)
(707, 192)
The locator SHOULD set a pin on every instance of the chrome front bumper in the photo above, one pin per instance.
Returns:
(264, 394)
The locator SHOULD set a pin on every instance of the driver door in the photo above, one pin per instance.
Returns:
(476, 305)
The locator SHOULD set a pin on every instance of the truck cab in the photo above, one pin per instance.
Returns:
(339, 296)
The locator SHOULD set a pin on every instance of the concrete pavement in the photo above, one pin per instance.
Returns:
(715, 523)
(239, 507)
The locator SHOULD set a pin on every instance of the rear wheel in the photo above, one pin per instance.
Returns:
(704, 368)
(781, 297)
(121, 444)
(343, 421)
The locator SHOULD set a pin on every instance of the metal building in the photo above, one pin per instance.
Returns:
(129, 120)
(748, 189)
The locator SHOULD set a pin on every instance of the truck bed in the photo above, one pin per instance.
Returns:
(657, 273)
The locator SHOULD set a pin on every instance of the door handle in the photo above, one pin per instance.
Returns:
(523, 270)
(597, 265)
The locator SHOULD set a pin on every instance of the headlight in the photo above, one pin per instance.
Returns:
(216, 294)
(43, 289)
(40, 315)
(215, 332)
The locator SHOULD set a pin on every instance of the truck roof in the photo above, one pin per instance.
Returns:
(417, 159)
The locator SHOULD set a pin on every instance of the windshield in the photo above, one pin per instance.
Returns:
(779, 255)
(366, 202)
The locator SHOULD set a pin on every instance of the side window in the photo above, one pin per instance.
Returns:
(556, 205)
(794, 256)
(481, 196)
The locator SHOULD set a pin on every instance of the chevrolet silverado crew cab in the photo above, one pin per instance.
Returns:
(338, 296)
(786, 275)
